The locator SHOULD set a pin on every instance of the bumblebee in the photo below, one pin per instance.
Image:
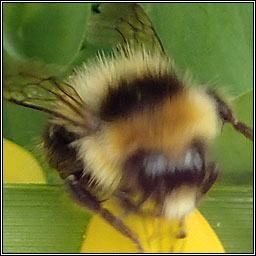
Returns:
(127, 128)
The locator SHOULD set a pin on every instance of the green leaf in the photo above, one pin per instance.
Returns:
(40, 219)
(22, 125)
(52, 32)
(212, 40)
(229, 211)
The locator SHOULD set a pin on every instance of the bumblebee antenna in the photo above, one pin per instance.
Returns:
(227, 115)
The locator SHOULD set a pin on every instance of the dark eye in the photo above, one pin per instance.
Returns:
(155, 165)
(146, 169)
(151, 164)
(190, 160)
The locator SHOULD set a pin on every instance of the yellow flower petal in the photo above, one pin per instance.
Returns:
(155, 235)
(19, 166)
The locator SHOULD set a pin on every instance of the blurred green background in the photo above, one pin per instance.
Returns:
(214, 41)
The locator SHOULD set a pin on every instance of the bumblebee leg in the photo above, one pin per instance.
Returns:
(130, 206)
(210, 179)
(182, 233)
(85, 198)
(227, 116)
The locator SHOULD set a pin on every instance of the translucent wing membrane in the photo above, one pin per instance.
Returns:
(47, 94)
(114, 24)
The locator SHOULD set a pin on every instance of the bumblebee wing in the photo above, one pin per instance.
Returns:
(114, 24)
(47, 94)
